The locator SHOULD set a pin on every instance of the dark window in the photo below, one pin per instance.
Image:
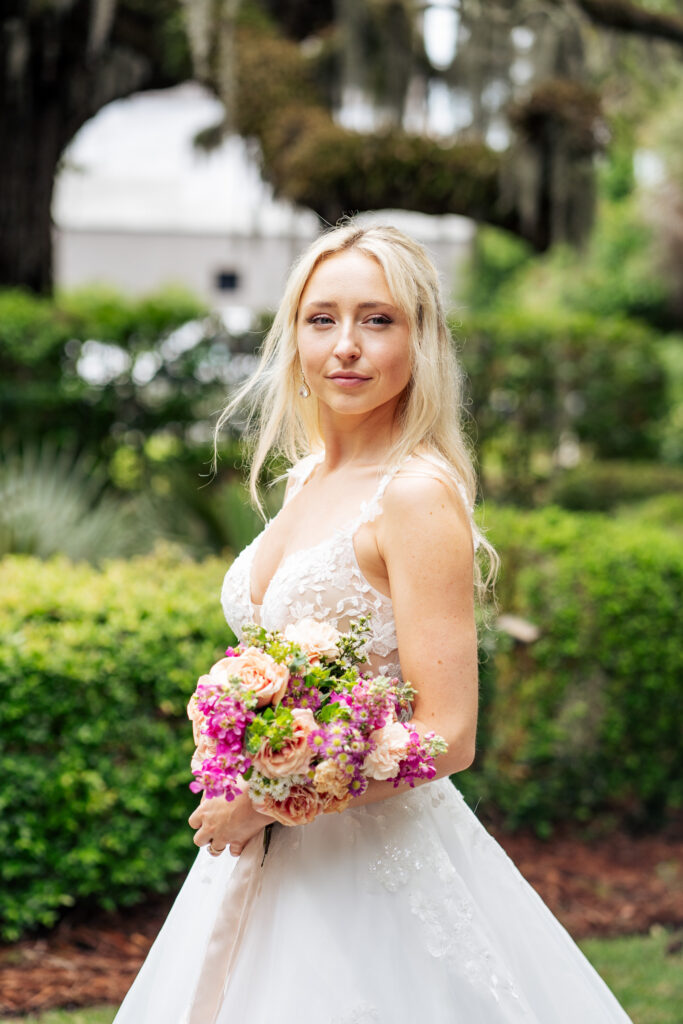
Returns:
(227, 280)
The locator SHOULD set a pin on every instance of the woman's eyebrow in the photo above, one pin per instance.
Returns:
(361, 305)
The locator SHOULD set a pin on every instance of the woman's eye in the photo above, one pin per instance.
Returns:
(320, 318)
(379, 319)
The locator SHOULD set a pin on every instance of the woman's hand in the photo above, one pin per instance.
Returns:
(227, 824)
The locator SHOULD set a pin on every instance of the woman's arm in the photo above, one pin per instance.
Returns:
(425, 540)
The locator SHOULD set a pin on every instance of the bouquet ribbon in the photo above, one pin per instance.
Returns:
(228, 933)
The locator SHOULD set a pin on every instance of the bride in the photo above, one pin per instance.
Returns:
(402, 907)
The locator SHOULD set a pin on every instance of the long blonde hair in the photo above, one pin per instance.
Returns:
(280, 422)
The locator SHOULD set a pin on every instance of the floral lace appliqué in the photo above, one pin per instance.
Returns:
(321, 582)
(363, 1013)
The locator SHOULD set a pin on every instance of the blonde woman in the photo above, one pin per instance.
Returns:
(402, 907)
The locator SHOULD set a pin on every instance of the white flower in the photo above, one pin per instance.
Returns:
(260, 786)
(316, 639)
(383, 762)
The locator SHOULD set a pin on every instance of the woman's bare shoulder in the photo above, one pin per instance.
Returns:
(425, 476)
(423, 493)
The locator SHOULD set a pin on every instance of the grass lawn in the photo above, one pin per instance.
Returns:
(647, 982)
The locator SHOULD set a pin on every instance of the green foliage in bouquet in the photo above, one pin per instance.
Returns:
(583, 724)
(96, 668)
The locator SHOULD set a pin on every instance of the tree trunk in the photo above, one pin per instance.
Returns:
(26, 175)
(60, 62)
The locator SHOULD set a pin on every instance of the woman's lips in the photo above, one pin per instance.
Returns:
(349, 382)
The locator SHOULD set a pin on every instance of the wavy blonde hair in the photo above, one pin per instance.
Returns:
(430, 413)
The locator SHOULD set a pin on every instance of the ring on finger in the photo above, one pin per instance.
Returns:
(213, 851)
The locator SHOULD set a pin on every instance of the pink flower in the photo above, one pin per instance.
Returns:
(301, 806)
(294, 756)
(316, 639)
(257, 672)
(391, 744)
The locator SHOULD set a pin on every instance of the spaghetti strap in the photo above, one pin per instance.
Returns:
(372, 507)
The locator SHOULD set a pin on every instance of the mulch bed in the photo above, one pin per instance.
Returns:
(612, 886)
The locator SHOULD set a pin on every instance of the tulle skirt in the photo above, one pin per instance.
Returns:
(399, 911)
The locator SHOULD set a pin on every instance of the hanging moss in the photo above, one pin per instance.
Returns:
(565, 107)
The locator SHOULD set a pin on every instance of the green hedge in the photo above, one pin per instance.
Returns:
(96, 667)
(599, 486)
(584, 723)
(538, 377)
(95, 671)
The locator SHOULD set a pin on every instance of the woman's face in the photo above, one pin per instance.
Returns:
(354, 342)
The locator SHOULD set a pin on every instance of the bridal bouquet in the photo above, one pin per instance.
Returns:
(292, 718)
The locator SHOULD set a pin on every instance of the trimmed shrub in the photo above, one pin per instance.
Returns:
(536, 377)
(600, 486)
(584, 723)
(96, 668)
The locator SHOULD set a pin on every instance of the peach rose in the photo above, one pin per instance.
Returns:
(331, 780)
(206, 747)
(316, 639)
(258, 672)
(333, 805)
(196, 717)
(294, 756)
(301, 806)
(383, 761)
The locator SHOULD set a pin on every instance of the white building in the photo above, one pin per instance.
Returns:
(136, 206)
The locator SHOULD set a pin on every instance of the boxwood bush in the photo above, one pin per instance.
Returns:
(96, 666)
(601, 486)
(583, 723)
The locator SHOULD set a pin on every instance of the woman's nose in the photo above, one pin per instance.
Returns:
(346, 344)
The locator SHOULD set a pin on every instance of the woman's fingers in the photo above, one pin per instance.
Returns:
(195, 819)
(222, 825)
(201, 837)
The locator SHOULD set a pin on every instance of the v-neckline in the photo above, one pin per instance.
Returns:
(319, 456)
(352, 525)
(299, 551)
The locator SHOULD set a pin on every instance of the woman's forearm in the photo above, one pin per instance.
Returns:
(459, 756)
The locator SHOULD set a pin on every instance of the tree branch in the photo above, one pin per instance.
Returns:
(628, 17)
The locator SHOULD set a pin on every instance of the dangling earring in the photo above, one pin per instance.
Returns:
(304, 390)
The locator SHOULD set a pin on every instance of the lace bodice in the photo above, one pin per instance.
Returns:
(322, 582)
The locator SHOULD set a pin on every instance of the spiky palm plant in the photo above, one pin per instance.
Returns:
(54, 501)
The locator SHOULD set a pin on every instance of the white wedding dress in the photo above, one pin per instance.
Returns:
(396, 912)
